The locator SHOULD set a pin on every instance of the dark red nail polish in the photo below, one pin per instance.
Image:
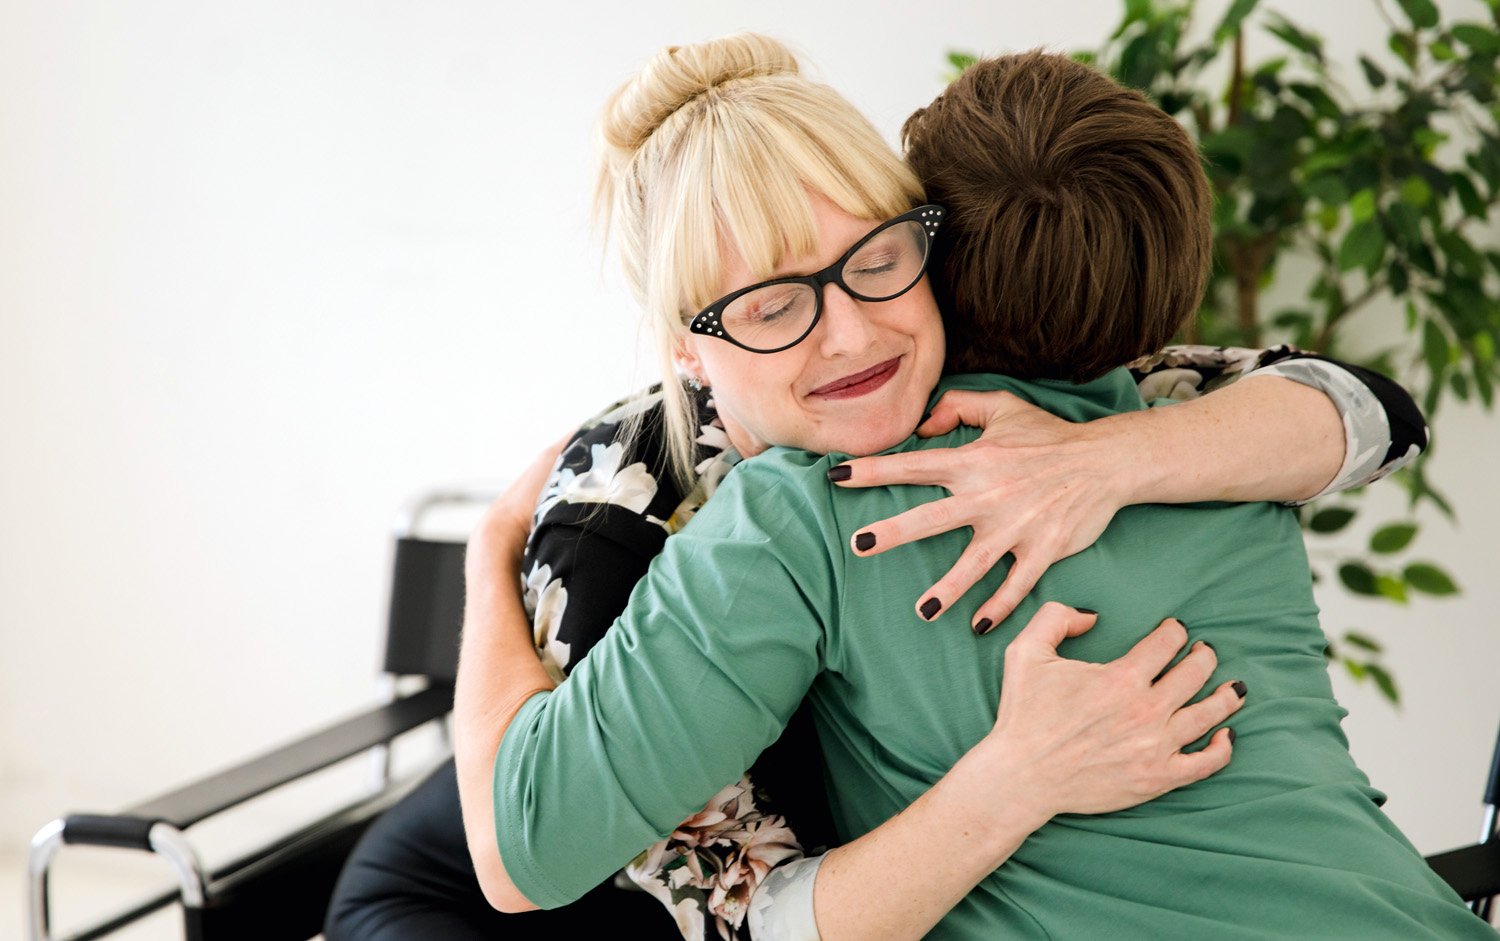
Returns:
(984, 626)
(930, 608)
(1231, 736)
(1088, 611)
(839, 472)
(1239, 687)
(864, 542)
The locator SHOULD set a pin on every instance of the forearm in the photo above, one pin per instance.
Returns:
(901, 878)
(1272, 439)
(498, 671)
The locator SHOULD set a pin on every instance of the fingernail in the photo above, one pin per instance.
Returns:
(1231, 736)
(839, 472)
(1208, 645)
(983, 627)
(930, 607)
(925, 415)
(1087, 611)
(864, 542)
(1239, 687)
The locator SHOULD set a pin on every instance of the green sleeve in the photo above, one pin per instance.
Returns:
(718, 646)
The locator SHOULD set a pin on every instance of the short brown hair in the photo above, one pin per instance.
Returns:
(1078, 230)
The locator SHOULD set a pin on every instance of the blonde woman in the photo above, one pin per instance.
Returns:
(679, 193)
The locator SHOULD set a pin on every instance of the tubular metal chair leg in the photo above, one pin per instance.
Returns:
(1483, 907)
(164, 839)
(44, 846)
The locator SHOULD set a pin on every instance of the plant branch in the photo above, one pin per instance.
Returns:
(1325, 335)
(1236, 79)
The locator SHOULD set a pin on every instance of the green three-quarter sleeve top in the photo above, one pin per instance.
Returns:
(757, 603)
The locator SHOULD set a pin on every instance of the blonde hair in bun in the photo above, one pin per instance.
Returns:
(715, 144)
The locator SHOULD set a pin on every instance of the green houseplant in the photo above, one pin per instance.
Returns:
(1367, 199)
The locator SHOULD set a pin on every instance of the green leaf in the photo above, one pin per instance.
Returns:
(1373, 73)
(1391, 587)
(961, 60)
(1321, 102)
(1330, 520)
(1358, 578)
(1393, 538)
(1422, 13)
(1434, 348)
(1484, 347)
(1356, 669)
(1327, 189)
(1292, 320)
(1429, 579)
(1362, 247)
(1405, 223)
(1459, 383)
(1284, 30)
(1404, 45)
(1230, 24)
(1442, 52)
(1362, 205)
(1476, 37)
(1362, 642)
(1415, 191)
(1461, 254)
(1384, 680)
(1468, 195)
(1400, 280)
(1429, 140)
(1484, 384)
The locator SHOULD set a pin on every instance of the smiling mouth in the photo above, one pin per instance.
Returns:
(860, 383)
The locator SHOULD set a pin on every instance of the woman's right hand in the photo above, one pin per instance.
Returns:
(1090, 738)
(498, 539)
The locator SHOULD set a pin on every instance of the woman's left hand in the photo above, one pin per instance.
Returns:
(1032, 485)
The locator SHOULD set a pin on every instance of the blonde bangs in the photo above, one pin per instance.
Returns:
(764, 146)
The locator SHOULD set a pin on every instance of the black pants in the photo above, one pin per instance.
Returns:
(410, 877)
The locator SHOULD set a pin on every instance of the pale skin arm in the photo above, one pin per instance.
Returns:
(1044, 488)
(498, 670)
(1071, 737)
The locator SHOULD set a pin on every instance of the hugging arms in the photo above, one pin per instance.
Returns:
(854, 377)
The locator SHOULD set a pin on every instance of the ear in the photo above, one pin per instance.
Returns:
(687, 359)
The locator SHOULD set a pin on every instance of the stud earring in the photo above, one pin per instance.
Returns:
(695, 383)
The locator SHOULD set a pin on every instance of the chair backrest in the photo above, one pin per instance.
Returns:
(427, 609)
(427, 584)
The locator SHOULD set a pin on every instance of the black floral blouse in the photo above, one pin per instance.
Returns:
(610, 505)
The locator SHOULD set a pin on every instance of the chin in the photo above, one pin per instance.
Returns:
(872, 441)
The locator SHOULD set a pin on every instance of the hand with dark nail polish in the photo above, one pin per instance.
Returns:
(930, 608)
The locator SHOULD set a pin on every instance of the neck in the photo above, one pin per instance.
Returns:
(744, 442)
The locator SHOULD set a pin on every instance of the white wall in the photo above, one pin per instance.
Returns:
(266, 269)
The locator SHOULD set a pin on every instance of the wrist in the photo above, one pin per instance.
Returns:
(1013, 804)
(1129, 446)
(494, 546)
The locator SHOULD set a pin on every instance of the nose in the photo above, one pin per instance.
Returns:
(845, 325)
